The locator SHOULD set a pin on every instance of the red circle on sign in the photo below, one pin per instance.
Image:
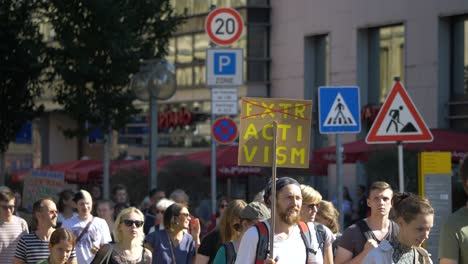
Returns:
(224, 11)
(224, 130)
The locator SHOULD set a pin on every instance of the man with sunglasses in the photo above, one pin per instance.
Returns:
(34, 247)
(11, 226)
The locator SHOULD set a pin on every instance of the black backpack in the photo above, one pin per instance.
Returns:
(263, 240)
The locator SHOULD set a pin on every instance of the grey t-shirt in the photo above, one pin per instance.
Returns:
(353, 238)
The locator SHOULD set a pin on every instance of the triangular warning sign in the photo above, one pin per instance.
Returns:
(398, 120)
(339, 114)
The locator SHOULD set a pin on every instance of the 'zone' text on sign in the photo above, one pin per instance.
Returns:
(256, 132)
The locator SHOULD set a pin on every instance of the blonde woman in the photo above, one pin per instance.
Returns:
(321, 235)
(129, 236)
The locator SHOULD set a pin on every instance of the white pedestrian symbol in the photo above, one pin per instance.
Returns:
(339, 114)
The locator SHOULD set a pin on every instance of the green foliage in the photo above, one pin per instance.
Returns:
(22, 60)
(383, 166)
(99, 45)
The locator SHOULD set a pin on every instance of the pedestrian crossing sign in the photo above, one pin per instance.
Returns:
(339, 110)
(398, 120)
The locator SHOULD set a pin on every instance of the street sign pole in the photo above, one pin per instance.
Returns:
(401, 175)
(339, 179)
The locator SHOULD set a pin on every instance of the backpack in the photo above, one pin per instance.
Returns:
(263, 240)
(230, 252)
(368, 234)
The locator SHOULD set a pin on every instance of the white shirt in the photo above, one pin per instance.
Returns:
(98, 234)
(289, 250)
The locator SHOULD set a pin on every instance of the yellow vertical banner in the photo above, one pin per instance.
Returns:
(433, 163)
(294, 119)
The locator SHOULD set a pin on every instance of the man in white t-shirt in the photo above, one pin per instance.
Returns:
(91, 232)
(288, 245)
(11, 226)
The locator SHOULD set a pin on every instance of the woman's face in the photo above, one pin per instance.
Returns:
(131, 226)
(309, 211)
(59, 253)
(184, 218)
(417, 231)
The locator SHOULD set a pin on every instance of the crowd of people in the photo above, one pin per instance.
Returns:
(83, 228)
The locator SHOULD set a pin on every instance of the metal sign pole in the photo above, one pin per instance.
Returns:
(339, 179)
(273, 189)
(401, 176)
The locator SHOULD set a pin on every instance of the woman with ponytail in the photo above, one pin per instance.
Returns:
(415, 217)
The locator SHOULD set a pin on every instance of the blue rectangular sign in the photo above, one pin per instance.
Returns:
(339, 110)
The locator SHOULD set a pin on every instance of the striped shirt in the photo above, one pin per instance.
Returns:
(10, 233)
(32, 249)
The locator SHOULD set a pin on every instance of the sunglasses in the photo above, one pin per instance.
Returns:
(311, 206)
(185, 214)
(6, 207)
(130, 223)
(160, 212)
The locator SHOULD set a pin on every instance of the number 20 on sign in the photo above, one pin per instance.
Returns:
(224, 26)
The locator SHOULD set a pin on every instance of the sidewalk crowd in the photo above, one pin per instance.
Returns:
(83, 228)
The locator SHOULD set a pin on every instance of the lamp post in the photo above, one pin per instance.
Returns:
(155, 81)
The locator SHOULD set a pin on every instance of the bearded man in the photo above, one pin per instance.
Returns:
(288, 245)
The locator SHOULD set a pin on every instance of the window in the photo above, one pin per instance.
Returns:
(459, 57)
(316, 60)
(381, 57)
(201, 44)
(391, 43)
(184, 49)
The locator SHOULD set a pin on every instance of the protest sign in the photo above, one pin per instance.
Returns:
(293, 119)
(40, 184)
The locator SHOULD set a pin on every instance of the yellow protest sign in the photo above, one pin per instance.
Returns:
(256, 132)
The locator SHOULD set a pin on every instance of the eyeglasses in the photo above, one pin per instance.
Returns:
(129, 222)
(311, 206)
(185, 214)
(6, 207)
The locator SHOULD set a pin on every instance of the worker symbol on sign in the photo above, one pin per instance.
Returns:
(339, 114)
(395, 122)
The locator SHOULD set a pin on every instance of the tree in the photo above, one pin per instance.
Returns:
(22, 61)
(100, 44)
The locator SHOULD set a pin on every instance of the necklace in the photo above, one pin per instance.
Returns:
(124, 257)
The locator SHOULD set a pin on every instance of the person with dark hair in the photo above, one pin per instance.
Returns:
(292, 244)
(362, 208)
(361, 237)
(91, 232)
(11, 226)
(415, 217)
(65, 206)
(34, 246)
(120, 195)
(61, 245)
(128, 246)
(174, 245)
(453, 241)
(155, 195)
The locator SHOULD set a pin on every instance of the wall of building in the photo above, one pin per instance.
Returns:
(344, 21)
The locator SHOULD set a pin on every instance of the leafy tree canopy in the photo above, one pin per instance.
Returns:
(22, 61)
(99, 45)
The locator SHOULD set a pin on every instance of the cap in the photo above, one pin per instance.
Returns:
(255, 210)
(280, 183)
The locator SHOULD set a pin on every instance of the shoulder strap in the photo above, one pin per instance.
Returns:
(262, 245)
(306, 238)
(365, 230)
(84, 230)
(321, 236)
(230, 252)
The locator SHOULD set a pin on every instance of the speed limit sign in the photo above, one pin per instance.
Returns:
(224, 26)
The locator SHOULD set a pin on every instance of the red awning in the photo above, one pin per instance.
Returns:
(444, 140)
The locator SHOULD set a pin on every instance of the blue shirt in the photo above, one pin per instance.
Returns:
(162, 253)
